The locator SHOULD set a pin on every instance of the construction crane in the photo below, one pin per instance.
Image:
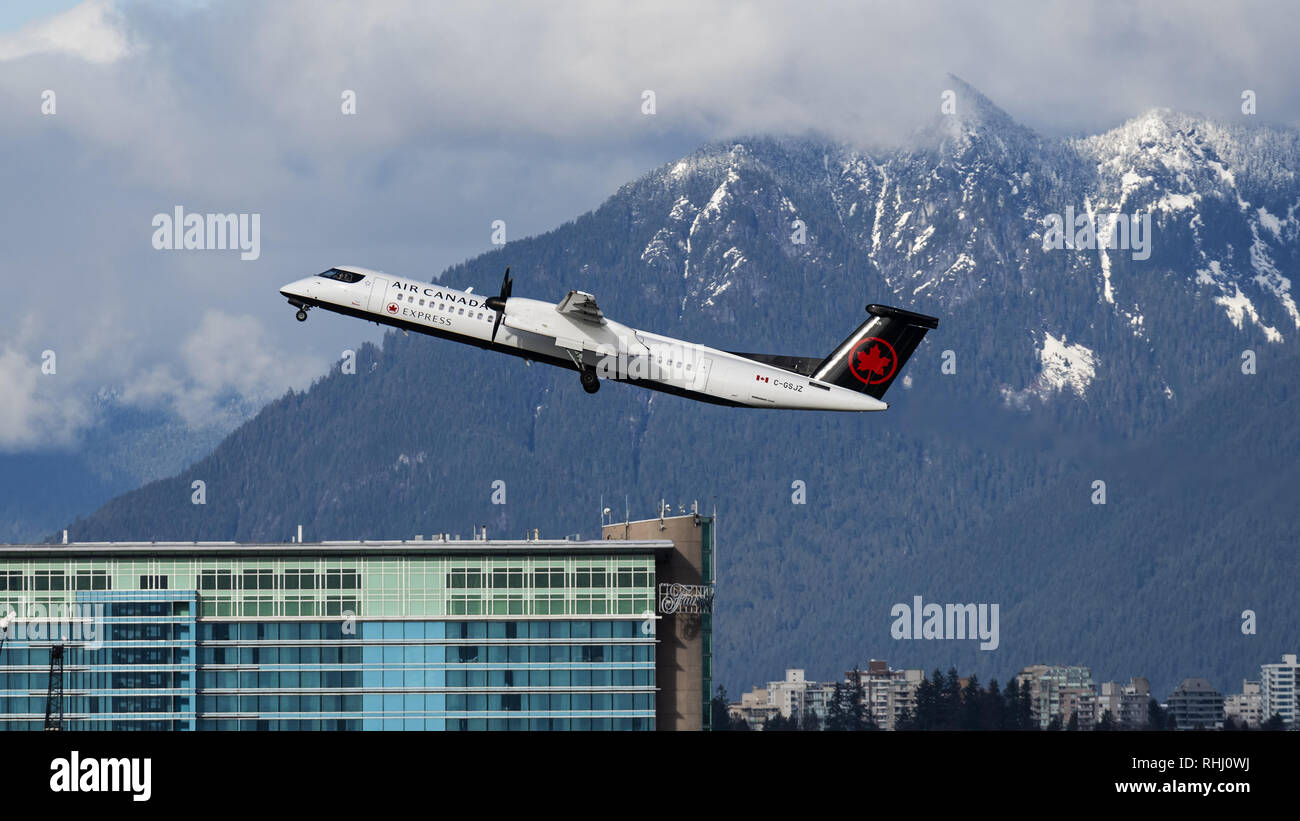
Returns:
(54, 696)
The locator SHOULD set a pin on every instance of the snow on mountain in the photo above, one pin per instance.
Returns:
(1184, 214)
(1064, 366)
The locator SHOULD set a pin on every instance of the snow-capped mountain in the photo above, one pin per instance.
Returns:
(1177, 225)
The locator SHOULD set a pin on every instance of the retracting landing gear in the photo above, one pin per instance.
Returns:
(590, 382)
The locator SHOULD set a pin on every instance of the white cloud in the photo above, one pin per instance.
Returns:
(91, 31)
(39, 410)
(226, 358)
(467, 113)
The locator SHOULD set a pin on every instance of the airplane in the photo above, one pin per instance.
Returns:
(575, 334)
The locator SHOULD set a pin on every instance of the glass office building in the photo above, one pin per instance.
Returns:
(417, 635)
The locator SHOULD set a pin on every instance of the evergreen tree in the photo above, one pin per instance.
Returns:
(859, 713)
(1155, 716)
(810, 721)
(1025, 708)
(1274, 722)
(1055, 724)
(1107, 722)
(1073, 724)
(1011, 706)
(776, 722)
(927, 704)
(992, 710)
(837, 713)
(906, 720)
(972, 706)
(719, 715)
(951, 701)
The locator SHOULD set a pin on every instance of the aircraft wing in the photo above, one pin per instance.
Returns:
(581, 305)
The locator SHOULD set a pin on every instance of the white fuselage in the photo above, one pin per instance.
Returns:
(537, 330)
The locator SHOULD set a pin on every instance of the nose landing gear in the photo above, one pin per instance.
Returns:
(590, 382)
(301, 315)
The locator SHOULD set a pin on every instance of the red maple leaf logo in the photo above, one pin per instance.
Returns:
(872, 361)
(392, 307)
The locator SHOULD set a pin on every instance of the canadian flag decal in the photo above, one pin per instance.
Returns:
(760, 378)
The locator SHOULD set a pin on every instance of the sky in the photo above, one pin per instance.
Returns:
(465, 113)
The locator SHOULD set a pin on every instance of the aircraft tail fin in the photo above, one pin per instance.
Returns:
(872, 357)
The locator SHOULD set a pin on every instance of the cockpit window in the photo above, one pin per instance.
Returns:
(342, 276)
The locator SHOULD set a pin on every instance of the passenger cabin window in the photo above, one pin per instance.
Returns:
(342, 276)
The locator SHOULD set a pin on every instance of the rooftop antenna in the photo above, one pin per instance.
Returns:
(714, 533)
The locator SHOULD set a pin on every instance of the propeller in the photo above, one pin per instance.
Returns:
(498, 303)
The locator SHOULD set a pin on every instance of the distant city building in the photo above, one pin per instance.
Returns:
(1247, 706)
(783, 698)
(1277, 689)
(754, 708)
(788, 695)
(1128, 704)
(1060, 690)
(1196, 705)
(888, 693)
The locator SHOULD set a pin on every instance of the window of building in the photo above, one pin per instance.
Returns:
(258, 580)
(216, 580)
(589, 577)
(92, 580)
(464, 578)
(508, 578)
(298, 579)
(48, 580)
(342, 579)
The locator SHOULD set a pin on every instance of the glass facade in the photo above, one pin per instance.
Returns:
(707, 525)
(334, 642)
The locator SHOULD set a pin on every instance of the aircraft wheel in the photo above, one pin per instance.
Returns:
(302, 315)
(590, 382)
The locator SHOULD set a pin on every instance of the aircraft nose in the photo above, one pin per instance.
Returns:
(299, 287)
